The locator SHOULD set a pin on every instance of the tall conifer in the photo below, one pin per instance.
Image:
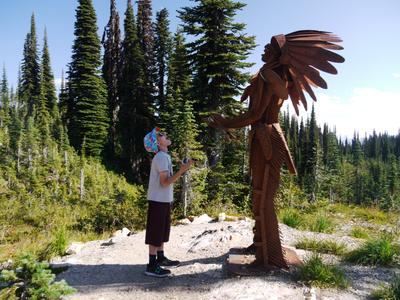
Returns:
(218, 56)
(162, 53)
(87, 103)
(111, 70)
(135, 115)
(30, 75)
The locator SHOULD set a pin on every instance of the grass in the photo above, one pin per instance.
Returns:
(359, 233)
(321, 224)
(325, 246)
(390, 291)
(57, 245)
(291, 218)
(376, 252)
(316, 273)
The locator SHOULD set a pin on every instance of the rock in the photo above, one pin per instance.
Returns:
(185, 221)
(310, 294)
(6, 265)
(117, 233)
(125, 231)
(202, 219)
(221, 217)
(74, 248)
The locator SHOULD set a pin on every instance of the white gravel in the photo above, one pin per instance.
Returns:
(113, 269)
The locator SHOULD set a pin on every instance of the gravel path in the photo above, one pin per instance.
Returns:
(114, 269)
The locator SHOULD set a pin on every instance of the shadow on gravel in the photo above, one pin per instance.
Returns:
(89, 277)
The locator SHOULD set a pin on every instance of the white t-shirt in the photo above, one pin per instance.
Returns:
(156, 192)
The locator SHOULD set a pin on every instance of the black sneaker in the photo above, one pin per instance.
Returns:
(156, 271)
(167, 263)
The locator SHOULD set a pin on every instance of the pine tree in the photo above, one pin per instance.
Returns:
(311, 159)
(146, 38)
(63, 100)
(111, 70)
(178, 78)
(217, 56)
(42, 118)
(47, 80)
(162, 45)
(357, 162)
(87, 104)
(135, 115)
(4, 101)
(30, 77)
(178, 69)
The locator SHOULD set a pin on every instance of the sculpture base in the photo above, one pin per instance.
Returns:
(241, 263)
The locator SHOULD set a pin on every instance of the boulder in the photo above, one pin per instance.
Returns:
(185, 221)
(221, 217)
(202, 219)
(125, 232)
(74, 248)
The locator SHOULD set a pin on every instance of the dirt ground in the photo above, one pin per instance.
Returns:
(114, 268)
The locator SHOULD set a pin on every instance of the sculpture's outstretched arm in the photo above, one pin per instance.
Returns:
(267, 80)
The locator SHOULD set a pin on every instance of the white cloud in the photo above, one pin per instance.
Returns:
(365, 110)
(396, 75)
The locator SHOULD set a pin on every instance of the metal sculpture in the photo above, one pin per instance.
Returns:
(291, 67)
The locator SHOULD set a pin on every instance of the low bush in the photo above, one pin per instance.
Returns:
(30, 279)
(377, 252)
(290, 218)
(321, 224)
(316, 273)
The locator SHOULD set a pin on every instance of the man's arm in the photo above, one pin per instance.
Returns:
(165, 180)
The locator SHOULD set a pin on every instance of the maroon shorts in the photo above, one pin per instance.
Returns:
(158, 223)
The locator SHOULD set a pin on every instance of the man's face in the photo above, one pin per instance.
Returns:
(163, 140)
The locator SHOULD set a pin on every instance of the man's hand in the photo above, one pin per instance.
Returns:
(186, 166)
(165, 180)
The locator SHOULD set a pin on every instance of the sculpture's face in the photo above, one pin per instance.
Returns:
(268, 55)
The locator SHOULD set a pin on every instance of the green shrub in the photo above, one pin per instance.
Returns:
(359, 232)
(316, 272)
(57, 245)
(390, 291)
(30, 279)
(290, 218)
(324, 246)
(377, 252)
(321, 224)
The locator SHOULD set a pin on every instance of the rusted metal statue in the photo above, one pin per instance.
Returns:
(291, 67)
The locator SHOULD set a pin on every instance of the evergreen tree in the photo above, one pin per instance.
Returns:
(357, 162)
(42, 117)
(301, 164)
(135, 115)
(47, 81)
(63, 100)
(111, 70)
(162, 45)
(217, 56)
(178, 79)
(4, 101)
(87, 102)
(30, 77)
(178, 69)
(146, 38)
(311, 158)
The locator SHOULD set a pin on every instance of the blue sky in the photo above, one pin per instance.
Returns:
(364, 95)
